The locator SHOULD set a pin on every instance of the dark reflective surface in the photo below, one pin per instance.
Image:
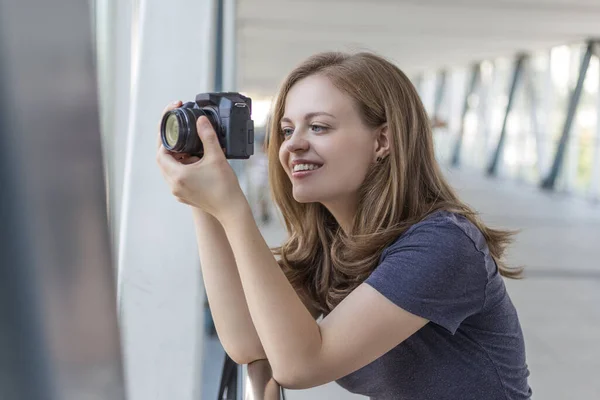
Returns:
(58, 324)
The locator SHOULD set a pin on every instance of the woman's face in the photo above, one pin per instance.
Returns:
(327, 149)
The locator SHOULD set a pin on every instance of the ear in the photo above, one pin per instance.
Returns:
(382, 141)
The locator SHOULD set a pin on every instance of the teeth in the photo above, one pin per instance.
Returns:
(305, 167)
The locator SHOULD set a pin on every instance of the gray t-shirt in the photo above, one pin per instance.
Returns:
(472, 348)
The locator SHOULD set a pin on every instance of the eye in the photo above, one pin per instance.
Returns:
(287, 132)
(318, 128)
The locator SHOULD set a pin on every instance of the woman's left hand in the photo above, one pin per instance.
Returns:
(208, 183)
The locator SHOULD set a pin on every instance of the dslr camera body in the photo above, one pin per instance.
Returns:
(229, 114)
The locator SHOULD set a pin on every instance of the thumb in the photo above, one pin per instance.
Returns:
(209, 138)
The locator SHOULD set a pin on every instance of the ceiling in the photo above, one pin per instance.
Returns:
(275, 35)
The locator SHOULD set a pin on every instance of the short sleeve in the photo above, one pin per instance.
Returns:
(434, 271)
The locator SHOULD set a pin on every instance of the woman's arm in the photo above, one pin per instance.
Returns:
(302, 353)
(224, 291)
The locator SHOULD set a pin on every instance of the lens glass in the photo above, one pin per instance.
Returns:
(172, 130)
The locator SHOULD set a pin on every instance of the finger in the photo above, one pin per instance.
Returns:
(190, 160)
(172, 106)
(168, 108)
(180, 157)
(163, 150)
(208, 136)
(167, 162)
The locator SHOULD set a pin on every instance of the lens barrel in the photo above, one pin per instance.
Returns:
(178, 130)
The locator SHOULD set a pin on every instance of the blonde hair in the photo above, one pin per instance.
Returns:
(318, 258)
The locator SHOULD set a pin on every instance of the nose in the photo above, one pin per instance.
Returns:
(297, 143)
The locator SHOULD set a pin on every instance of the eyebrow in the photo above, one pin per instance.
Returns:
(309, 116)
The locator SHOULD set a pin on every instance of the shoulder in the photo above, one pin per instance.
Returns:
(443, 231)
(436, 270)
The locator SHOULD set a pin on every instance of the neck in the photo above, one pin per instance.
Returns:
(343, 212)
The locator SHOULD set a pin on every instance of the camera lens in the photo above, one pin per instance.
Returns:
(172, 130)
(175, 130)
(178, 129)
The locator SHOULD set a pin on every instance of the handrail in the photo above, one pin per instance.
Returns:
(248, 382)
(259, 383)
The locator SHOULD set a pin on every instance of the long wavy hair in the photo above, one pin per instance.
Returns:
(319, 259)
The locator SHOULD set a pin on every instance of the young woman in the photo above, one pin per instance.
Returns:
(406, 276)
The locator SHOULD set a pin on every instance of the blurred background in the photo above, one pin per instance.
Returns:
(101, 290)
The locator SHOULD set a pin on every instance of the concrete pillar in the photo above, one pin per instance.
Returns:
(568, 177)
(114, 53)
(458, 87)
(594, 188)
(486, 96)
(545, 120)
(160, 293)
(229, 46)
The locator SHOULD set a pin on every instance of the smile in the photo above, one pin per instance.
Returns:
(302, 170)
(305, 167)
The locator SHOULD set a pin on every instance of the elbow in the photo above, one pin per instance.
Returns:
(243, 356)
(241, 359)
(290, 383)
(295, 378)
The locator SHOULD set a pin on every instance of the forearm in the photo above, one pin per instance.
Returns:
(224, 291)
(287, 330)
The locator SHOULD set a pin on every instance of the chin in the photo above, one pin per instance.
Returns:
(303, 196)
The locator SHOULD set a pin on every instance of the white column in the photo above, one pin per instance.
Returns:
(532, 101)
(594, 189)
(485, 91)
(568, 175)
(429, 86)
(441, 134)
(113, 27)
(229, 73)
(229, 46)
(160, 293)
(545, 120)
(458, 87)
(521, 131)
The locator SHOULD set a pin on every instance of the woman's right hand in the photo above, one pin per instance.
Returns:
(182, 158)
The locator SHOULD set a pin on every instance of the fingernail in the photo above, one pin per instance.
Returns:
(176, 101)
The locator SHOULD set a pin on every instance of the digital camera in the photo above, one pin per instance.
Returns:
(228, 112)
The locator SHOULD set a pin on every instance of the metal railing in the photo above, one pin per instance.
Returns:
(249, 382)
